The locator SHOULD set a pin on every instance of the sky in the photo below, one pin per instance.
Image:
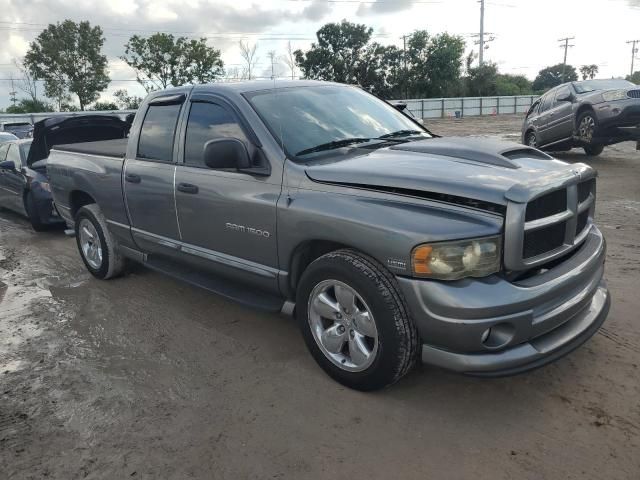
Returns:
(526, 31)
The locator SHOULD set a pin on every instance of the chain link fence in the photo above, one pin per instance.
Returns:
(468, 106)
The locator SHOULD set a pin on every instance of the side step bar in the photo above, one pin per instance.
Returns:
(227, 288)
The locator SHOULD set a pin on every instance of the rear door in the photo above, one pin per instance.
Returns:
(4, 194)
(148, 178)
(560, 116)
(13, 181)
(226, 216)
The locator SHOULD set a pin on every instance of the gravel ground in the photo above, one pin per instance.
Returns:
(146, 377)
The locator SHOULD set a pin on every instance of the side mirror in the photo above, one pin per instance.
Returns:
(226, 153)
(565, 97)
(8, 165)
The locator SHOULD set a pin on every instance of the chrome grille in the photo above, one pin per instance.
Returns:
(551, 224)
(633, 93)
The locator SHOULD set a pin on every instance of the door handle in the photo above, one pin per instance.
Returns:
(188, 188)
(132, 178)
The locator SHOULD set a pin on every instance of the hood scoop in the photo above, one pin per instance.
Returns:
(477, 150)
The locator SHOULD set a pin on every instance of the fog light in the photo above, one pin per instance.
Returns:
(498, 336)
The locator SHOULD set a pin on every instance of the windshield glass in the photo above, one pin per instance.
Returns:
(593, 85)
(329, 116)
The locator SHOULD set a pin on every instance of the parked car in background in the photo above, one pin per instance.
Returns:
(390, 245)
(19, 129)
(25, 189)
(7, 137)
(590, 114)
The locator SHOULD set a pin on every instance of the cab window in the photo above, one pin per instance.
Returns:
(14, 155)
(208, 121)
(157, 133)
(562, 91)
(547, 100)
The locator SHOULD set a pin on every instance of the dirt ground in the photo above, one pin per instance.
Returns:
(146, 377)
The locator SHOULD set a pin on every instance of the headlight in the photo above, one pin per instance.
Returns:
(476, 257)
(614, 95)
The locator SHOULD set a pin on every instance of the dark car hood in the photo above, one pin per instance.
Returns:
(61, 130)
(469, 168)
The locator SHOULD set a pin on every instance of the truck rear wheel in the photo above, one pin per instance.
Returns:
(96, 245)
(355, 321)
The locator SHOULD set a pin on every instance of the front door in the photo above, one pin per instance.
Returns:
(225, 216)
(560, 123)
(148, 181)
(13, 181)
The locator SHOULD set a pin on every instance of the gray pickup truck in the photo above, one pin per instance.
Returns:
(388, 243)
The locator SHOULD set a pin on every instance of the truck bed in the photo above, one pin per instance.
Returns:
(105, 148)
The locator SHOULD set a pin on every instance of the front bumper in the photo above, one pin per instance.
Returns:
(533, 321)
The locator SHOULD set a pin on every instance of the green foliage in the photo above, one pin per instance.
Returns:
(345, 53)
(552, 76)
(513, 85)
(481, 80)
(67, 56)
(635, 78)
(27, 105)
(99, 106)
(434, 64)
(589, 71)
(126, 101)
(163, 60)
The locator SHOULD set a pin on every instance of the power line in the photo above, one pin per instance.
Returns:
(566, 47)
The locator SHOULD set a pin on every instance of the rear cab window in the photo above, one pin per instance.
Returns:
(158, 132)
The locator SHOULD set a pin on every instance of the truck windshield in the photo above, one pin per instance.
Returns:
(319, 118)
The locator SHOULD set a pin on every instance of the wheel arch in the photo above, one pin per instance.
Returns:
(303, 255)
(581, 109)
(78, 199)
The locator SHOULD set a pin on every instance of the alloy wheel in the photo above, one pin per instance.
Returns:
(343, 325)
(90, 244)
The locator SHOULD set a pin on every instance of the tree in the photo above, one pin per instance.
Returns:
(635, 78)
(338, 53)
(589, 71)
(101, 106)
(26, 82)
(482, 80)
(126, 101)
(162, 60)
(552, 76)
(434, 64)
(28, 105)
(289, 58)
(248, 53)
(68, 57)
(513, 85)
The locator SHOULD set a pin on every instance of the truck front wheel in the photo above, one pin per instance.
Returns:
(355, 321)
(96, 245)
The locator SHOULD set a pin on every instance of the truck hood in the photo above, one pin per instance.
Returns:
(456, 169)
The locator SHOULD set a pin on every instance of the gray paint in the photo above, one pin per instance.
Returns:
(335, 199)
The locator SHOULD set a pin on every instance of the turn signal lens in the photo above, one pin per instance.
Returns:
(476, 257)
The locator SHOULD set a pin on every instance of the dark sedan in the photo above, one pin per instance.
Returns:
(25, 190)
(590, 114)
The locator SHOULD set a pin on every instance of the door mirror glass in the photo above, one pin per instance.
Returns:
(8, 165)
(226, 153)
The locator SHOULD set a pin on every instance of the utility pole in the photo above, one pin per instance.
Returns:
(634, 50)
(566, 47)
(406, 72)
(272, 56)
(481, 40)
(12, 93)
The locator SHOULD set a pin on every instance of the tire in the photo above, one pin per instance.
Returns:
(593, 150)
(388, 333)
(586, 128)
(34, 216)
(103, 259)
(531, 140)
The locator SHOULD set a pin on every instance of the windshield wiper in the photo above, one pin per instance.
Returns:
(400, 133)
(345, 142)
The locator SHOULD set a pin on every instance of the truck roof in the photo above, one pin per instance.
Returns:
(247, 86)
